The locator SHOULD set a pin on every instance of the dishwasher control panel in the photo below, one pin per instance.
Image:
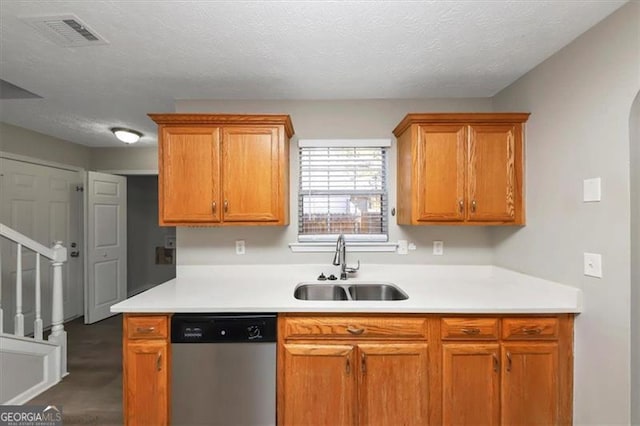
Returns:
(223, 328)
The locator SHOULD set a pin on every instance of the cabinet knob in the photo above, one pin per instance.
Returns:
(226, 206)
(213, 207)
(473, 206)
(471, 331)
(461, 206)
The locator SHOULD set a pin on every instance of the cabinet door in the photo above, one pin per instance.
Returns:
(530, 391)
(471, 384)
(189, 175)
(394, 384)
(441, 173)
(146, 387)
(252, 187)
(318, 385)
(494, 172)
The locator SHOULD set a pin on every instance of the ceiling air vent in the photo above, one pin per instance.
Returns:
(65, 30)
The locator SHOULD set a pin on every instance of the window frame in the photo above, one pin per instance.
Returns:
(365, 239)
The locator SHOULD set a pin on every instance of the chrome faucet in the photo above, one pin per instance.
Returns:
(340, 258)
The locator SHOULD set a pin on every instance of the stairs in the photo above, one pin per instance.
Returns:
(30, 365)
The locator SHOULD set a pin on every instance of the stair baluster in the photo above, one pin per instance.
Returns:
(18, 323)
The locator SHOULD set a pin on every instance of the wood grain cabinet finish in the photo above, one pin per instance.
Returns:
(461, 169)
(352, 379)
(223, 169)
(146, 363)
(521, 378)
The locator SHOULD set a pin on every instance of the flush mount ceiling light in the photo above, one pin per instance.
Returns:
(126, 135)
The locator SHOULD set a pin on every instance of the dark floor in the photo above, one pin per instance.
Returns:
(92, 392)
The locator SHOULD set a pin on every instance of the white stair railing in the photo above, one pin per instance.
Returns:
(57, 255)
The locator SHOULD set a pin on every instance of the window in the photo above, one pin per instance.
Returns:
(343, 190)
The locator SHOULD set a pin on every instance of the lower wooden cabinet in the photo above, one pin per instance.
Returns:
(450, 370)
(530, 384)
(351, 370)
(393, 383)
(146, 363)
(522, 376)
(470, 384)
(386, 370)
(324, 374)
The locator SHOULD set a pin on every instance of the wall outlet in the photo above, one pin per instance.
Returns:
(593, 265)
(169, 241)
(438, 248)
(239, 246)
(403, 247)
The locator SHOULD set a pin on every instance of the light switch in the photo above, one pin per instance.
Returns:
(593, 265)
(591, 190)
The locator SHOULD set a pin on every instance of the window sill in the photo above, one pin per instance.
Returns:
(351, 247)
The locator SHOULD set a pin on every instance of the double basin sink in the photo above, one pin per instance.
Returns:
(359, 291)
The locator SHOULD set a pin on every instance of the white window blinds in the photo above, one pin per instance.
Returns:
(343, 190)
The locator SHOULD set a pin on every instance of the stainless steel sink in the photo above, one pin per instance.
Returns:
(320, 292)
(376, 292)
(358, 291)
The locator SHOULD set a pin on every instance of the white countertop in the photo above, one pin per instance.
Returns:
(431, 289)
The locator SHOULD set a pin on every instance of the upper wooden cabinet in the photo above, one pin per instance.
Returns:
(464, 169)
(223, 169)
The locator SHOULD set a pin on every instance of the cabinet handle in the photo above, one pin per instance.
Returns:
(531, 331)
(355, 331)
(213, 207)
(226, 206)
(159, 362)
(508, 361)
(473, 206)
(461, 206)
(363, 363)
(348, 367)
(145, 330)
(471, 331)
(496, 363)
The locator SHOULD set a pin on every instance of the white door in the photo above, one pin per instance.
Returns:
(44, 203)
(106, 243)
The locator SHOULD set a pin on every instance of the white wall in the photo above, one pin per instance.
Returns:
(16, 140)
(144, 235)
(126, 158)
(580, 100)
(333, 119)
(634, 139)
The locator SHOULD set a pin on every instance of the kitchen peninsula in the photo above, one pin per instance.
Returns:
(506, 331)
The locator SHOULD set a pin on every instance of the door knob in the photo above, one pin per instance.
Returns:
(74, 253)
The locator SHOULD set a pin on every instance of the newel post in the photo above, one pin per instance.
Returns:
(58, 334)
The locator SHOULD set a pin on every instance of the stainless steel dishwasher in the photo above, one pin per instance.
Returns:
(223, 369)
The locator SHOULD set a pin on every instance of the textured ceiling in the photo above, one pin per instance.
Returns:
(160, 51)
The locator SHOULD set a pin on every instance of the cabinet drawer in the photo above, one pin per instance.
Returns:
(469, 328)
(529, 328)
(355, 327)
(147, 327)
